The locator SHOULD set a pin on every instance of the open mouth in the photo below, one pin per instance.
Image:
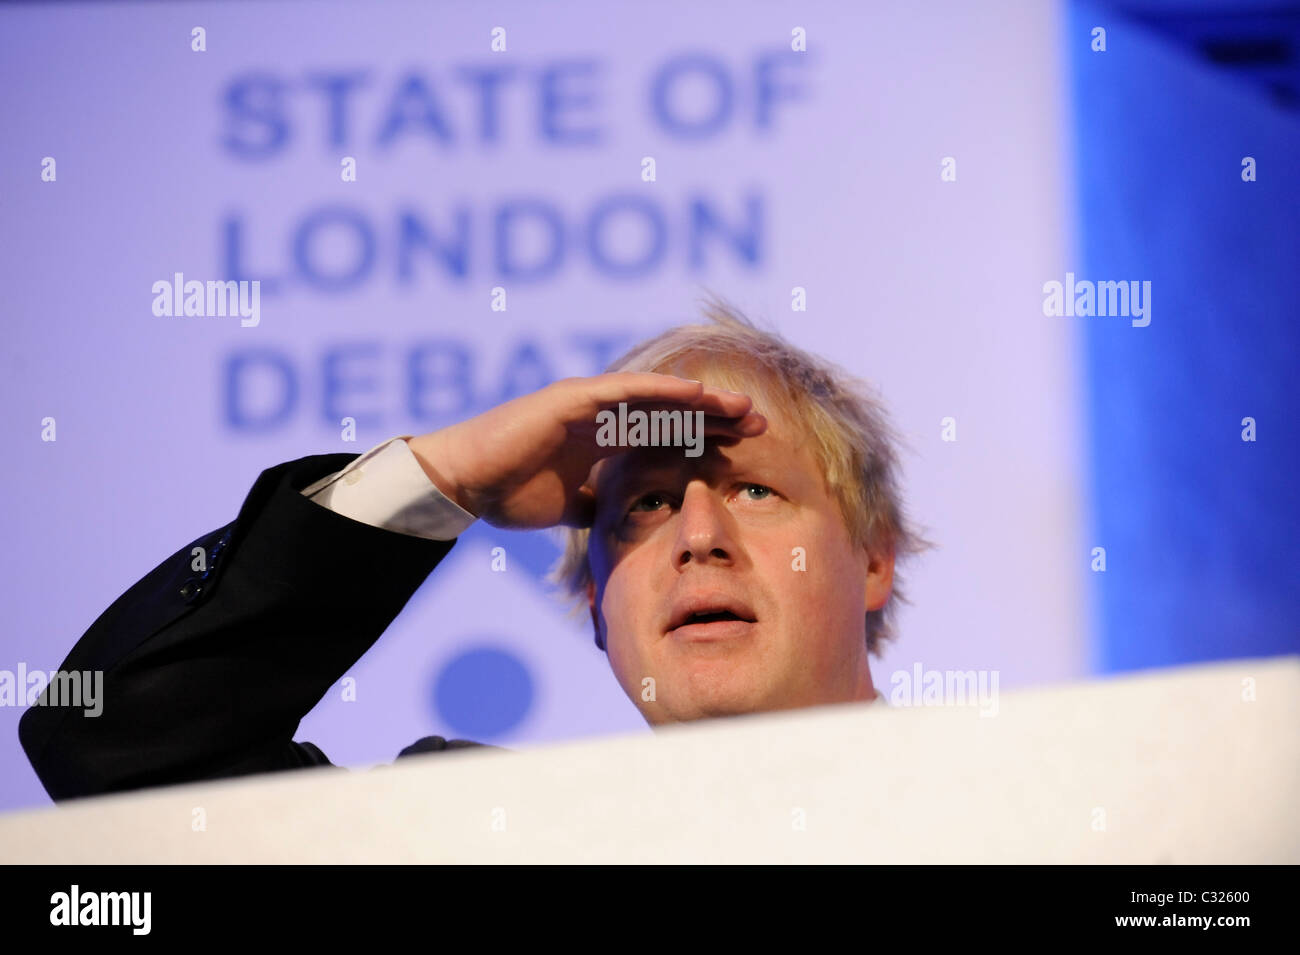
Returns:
(712, 617)
(705, 617)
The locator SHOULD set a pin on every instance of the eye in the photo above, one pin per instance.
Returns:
(651, 498)
(656, 500)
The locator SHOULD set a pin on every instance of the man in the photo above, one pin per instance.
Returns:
(754, 576)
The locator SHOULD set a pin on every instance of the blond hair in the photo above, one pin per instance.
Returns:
(852, 438)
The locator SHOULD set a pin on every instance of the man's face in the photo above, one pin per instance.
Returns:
(748, 530)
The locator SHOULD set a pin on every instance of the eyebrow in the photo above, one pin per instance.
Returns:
(626, 477)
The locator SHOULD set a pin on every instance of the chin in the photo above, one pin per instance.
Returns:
(723, 697)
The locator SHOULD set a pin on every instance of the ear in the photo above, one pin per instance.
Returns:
(880, 578)
(595, 615)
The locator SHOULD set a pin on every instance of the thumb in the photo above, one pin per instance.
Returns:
(581, 508)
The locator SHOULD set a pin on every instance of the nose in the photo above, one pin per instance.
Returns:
(705, 532)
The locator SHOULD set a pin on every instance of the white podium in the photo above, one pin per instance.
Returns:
(1193, 765)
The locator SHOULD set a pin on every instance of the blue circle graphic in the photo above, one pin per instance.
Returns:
(483, 693)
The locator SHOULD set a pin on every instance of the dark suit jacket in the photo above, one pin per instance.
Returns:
(206, 675)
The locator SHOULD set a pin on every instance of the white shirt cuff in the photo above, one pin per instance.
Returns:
(386, 487)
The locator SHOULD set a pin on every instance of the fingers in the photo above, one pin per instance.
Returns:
(750, 425)
(634, 386)
(723, 432)
(745, 421)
